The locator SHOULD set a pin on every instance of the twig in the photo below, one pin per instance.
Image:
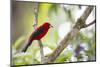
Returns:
(35, 15)
(41, 51)
(86, 25)
(35, 26)
(64, 43)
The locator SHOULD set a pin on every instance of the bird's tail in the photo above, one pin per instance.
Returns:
(25, 48)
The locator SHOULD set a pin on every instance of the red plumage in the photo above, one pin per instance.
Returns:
(39, 33)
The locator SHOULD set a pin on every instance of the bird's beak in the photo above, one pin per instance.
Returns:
(51, 26)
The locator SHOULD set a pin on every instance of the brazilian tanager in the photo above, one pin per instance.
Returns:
(39, 33)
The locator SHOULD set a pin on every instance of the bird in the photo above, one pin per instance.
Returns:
(38, 34)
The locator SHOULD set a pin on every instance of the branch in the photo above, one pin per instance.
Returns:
(86, 25)
(35, 15)
(41, 51)
(35, 26)
(86, 13)
(64, 43)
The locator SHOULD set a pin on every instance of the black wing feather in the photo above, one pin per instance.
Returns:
(38, 32)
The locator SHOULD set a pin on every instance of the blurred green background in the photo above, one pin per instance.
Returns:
(62, 17)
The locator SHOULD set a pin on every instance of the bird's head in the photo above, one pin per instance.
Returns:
(47, 25)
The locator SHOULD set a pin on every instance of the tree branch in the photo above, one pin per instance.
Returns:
(64, 43)
(86, 13)
(86, 25)
(41, 51)
(36, 9)
(35, 15)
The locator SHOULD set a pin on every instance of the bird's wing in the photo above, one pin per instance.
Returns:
(38, 31)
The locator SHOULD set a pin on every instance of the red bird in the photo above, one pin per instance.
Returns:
(39, 33)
